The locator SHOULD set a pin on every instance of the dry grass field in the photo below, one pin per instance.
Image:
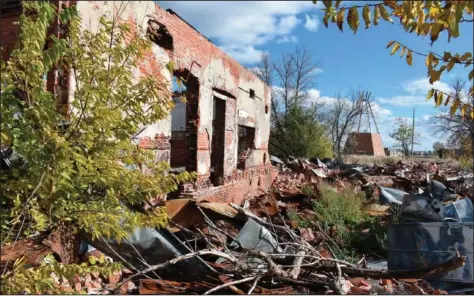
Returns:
(379, 160)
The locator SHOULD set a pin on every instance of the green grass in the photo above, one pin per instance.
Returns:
(341, 211)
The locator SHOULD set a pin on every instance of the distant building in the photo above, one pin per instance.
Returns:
(364, 144)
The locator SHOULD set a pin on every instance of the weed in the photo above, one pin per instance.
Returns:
(308, 190)
(350, 228)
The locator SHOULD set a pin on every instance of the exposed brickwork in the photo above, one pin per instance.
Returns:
(242, 184)
(179, 152)
(192, 54)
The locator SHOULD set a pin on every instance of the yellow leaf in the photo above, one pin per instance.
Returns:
(425, 28)
(450, 64)
(403, 51)
(366, 15)
(384, 13)
(434, 11)
(434, 76)
(340, 18)
(430, 94)
(409, 58)
(376, 15)
(337, 3)
(446, 102)
(466, 56)
(469, 7)
(439, 99)
(429, 59)
(390, 43)
(454, 107)
(436, 28)
(435, 61)
(353, 18)
(326, 18)
(464, 110)
(395, 48)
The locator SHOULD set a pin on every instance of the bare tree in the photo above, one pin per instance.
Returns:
(291, 77)
(344, 115)
(458, 129)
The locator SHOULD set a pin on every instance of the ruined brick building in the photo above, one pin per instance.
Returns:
(222, 131)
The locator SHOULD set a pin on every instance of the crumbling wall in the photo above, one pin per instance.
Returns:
(155, 136)
(219, 75)
(208, 73)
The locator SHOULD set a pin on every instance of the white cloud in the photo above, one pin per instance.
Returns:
(405, 101)
(317, 71)
(287, 39)
(422, 86)
(244, 54)
(242, 25)
(312, 23)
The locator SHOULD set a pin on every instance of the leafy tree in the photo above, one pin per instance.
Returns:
(402, 134)
(295, 126)
(74, 168)
(425, 18)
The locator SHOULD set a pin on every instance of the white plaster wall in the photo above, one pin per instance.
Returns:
(91, 12)
(217, 76)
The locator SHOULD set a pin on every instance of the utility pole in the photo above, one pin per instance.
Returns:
(413, 133)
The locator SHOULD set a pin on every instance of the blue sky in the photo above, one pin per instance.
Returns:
(246, 29)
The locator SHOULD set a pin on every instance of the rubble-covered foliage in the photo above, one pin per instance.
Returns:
(78, 168)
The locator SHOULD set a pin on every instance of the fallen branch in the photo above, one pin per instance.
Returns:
(310, 283)
(178, 259)
(295, 271)
(449, 265)
(230, 284)
(253, 286)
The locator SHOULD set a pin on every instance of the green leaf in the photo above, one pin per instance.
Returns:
(338, 2)
(376, 15)
(327, 4)
(366, 15)
(471, 75)
(384, 13)
(353, 18)
(395, 48)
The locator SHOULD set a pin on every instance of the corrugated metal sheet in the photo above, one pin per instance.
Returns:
(416, 245)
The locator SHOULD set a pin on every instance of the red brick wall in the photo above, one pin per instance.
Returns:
(367, 143)
(241, 185)
(179, 152)
(8, 34)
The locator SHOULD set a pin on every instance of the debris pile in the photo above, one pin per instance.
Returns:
(255, 248)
